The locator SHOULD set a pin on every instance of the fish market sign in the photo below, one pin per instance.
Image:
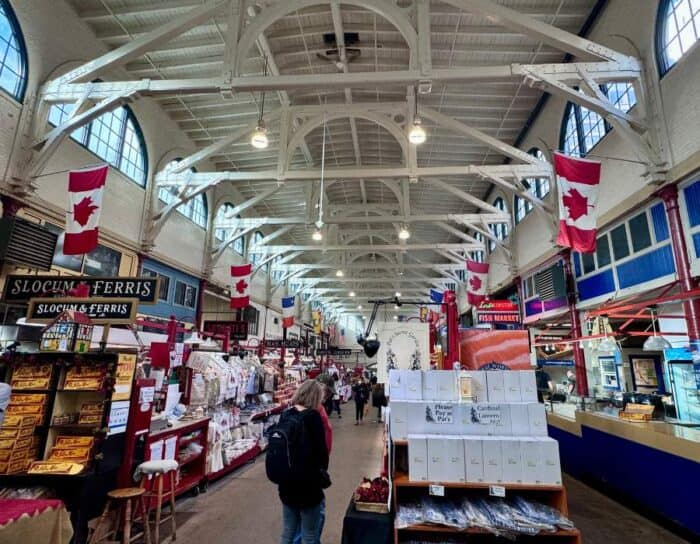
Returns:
(21, 288)
(100, 310)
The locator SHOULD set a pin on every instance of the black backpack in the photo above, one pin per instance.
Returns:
(286, 449)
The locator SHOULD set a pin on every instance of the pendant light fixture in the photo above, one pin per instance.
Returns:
(417, 133)
(259, 139)
(318, 235)
(655, 342)
(404, 233)
(607, 344)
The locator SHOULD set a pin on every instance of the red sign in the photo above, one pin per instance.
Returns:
(498, 311)
(497, 306)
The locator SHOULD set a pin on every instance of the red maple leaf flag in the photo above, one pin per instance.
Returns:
(85, 188)
(477, 281)
(578, 181)
(240, 285)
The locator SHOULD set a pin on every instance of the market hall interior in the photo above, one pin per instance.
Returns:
(224, 220)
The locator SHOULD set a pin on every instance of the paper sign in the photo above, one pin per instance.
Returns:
(118, 416)
(156, 451)
(439, 413)
(169, 450)
(437, 490)
(126, 365)
(497, 491)
(146, 394)
(487, 414)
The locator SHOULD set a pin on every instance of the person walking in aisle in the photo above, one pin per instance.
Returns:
(303, 476)
(360, 392)
(378, 397)
(336, 396)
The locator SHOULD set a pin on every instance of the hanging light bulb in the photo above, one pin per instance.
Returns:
(359, 307)
(397, 294)
(655, 342)
(317, 235)
(352, 293)
(339, 273)
(259, 138)
(404, 233)
(417, 134)
(396, 317)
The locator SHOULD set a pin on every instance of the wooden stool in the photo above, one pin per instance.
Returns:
(123, 497)
(159, 470)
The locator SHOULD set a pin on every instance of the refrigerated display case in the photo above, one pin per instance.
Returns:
(680, 375)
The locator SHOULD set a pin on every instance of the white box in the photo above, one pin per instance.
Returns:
(472, 421)
(512, 461)
(447, 385)
(502, 425)
(414, 384)
(551, 466)
(437, 459)
(415, 415)
(472, 386)
(397, 385)
(430, 385)
(474, 460)
(493, 460)
(398, 419)
(538, 419)
(528, 386)
(456, 470)
(417, 458)
(441, 417)
(511, 385)
(520, 419)
(494, 381)
(532, 461)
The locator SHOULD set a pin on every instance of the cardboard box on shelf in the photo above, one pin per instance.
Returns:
(430, 385)
(454, 455)
(528, 386)
(494, 382)
(474, 460)
(472, 386)
(414, 384)
(437, 460)
(551, 466)
(531, 460)
(398, 419)
(447, 385)
(538, 419)
(512, 461)
(397, 389)
(520, 419)
(511, 385)
(417, 458)
(493, 459)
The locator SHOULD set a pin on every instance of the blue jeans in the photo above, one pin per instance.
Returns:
(302, 525)
(297, 536)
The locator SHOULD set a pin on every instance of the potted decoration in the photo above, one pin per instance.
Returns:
(372, 495)
(70, 331)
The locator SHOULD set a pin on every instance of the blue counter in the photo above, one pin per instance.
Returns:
(653, 464)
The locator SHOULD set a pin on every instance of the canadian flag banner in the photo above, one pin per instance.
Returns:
(288, 307)
(477, 281)
(240, 285)
(578, 182)
(85, 188)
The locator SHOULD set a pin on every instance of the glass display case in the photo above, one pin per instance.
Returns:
(681, 381)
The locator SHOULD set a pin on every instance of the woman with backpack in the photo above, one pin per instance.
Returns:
(297, 460)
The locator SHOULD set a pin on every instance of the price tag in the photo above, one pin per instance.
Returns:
(497, 491)
(437, 490)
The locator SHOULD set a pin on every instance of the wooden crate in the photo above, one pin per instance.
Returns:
(637, 412)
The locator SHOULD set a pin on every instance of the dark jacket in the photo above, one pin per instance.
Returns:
(360, 392)
(311, 493)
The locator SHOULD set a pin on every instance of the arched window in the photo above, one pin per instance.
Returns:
(195, 209)
(499, 230)
(677, 31)
(114, 136)
(255, 258)
(224, 224)
(539, 187)
(13, 54)
(582, 128)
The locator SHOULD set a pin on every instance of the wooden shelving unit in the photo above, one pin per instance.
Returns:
(405, 490)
